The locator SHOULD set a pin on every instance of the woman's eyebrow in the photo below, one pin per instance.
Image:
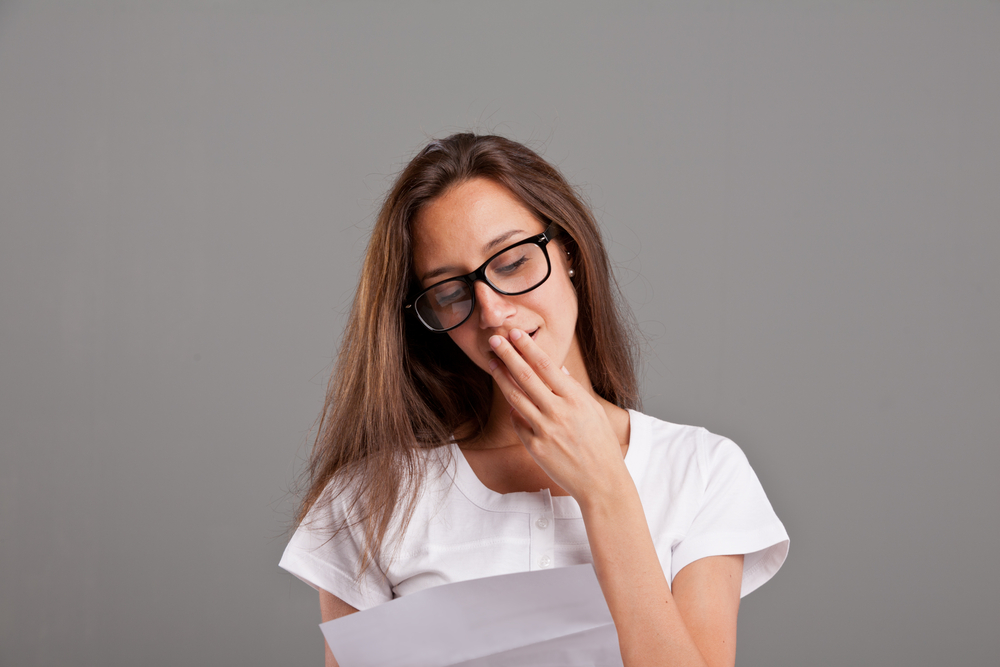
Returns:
(441, 270)
(500, 239)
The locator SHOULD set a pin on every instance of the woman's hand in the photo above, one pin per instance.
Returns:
(564, 428)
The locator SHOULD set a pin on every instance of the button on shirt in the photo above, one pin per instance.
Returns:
(699, 494)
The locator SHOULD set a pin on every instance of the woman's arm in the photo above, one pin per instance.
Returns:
(695, 624)
(568, 433)
(707, 593)
(331, 607)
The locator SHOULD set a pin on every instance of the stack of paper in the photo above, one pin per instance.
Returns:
(550, 618)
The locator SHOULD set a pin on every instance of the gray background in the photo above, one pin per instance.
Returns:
(802, 199)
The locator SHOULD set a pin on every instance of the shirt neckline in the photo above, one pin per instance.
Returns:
(533, 501)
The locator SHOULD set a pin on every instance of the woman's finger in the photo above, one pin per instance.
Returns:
(523, 428)
(520, 370)
(516, 398)
(554, 378)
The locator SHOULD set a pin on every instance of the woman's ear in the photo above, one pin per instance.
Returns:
(569, 260)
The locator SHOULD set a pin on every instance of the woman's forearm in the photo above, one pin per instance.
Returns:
(650, 628)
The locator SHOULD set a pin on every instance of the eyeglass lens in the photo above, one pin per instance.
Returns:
(514, 271)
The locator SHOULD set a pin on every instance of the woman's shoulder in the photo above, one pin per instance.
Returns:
(426, 470)
(660, 444)
(666, 436)
(702, 498)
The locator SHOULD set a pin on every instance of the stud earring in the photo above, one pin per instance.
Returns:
(572, 273)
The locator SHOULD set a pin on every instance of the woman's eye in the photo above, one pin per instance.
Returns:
(449, 297)
(511, 267)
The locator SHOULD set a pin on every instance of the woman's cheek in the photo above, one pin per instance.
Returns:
(467, 344)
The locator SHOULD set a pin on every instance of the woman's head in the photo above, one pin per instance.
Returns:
(487, 265)
(446, 169)
(397, 384)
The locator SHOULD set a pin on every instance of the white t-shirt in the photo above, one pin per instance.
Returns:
(700, 496)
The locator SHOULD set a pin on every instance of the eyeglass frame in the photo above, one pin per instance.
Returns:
(541, 240)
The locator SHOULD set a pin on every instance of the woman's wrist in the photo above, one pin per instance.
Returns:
(609, 497)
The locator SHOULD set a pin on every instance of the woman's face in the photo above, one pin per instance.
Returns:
(457, 232)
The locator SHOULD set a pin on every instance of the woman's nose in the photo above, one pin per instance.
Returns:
(494, 308)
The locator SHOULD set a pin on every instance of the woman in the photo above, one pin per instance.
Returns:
(479, 422)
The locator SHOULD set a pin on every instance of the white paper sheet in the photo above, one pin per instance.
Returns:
(546, 618)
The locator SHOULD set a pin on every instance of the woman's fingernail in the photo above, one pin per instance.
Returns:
(495, 341)
(515, 334)
(493, 364)
(565, 371)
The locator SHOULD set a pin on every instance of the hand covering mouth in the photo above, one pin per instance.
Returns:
(492, 355)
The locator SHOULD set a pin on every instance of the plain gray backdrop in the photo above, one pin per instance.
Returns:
(802, 200)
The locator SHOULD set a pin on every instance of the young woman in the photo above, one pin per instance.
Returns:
(480, 421)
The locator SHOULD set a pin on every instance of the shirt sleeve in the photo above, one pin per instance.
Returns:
(332, 562)
(734, 517)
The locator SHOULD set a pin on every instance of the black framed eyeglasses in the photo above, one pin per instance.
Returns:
(516, 269)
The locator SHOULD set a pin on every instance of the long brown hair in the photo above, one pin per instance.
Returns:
(396, 386)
